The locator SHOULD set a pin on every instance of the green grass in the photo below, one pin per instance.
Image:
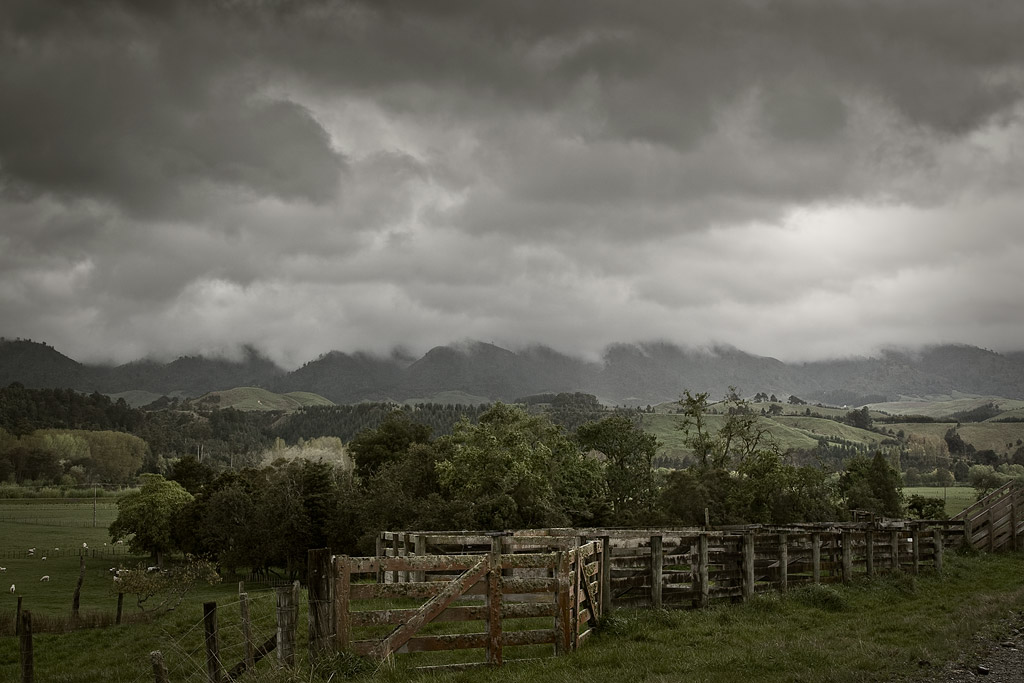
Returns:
(869, 631)
(957, 497)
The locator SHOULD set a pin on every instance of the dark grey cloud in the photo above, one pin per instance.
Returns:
(795, 178)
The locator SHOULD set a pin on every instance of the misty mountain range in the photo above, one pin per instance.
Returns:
(631, 374)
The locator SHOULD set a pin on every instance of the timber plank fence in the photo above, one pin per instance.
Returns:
(996, 522)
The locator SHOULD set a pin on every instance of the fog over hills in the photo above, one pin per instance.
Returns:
(635, 374)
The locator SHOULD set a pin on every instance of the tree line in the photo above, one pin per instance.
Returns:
(509, 469)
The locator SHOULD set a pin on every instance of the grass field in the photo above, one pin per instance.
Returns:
(956, 497)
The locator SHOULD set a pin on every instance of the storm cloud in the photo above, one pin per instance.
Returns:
(797, 179)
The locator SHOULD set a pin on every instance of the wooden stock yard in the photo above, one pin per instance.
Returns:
(513, 586)
(692, 567)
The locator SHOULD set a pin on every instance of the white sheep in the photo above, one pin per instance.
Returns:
(43, 557)
(85, 545)
(117, 579)
(152, 569)
(12, 589)
(45, 578)
(3, 569)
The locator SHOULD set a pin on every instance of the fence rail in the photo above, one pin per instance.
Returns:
(996, 522)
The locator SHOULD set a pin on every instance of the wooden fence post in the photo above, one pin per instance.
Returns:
(937, 549)
(704, 596)
(816, 557)
(1013, 522)
(250, 646)
(576, 573)
(287, 623)
(915, 545)
(421, 550)
(748, 565)
(847, 540)
(894, 542)
(25, 648)
(493, 602)
(657, 565)
(380, 552)
(156, 658)
(319, 583)
(395, 578)
(563, 629)
(120, 606)
(606, 575)
(783, 563)
(869, 558)
(991, 532)
(214, 671)
(342, 591)
(17, 618)
(78, 588)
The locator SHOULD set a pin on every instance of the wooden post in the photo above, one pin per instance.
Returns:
(250, 646)
(287, 623)
(894, 542)
(703, 584)
(748, 565)
(17, 618)
(343, 630)
(319, 583)
(25, 648)
(493, 603)
(394, 553)
(657, 565)
(214, 672)
(937, 549)
(783, 563)
(241, 587)
(915, 545)
(156, 658)
(421, 550)
(574, 602)
(606, 575)
(869, 558)
(120, 605)
(847, 540)
(968, 532)
(1013, 522)
(563, 629)
(380, 552)
(816, 557)
(991, 531)
(78, 588)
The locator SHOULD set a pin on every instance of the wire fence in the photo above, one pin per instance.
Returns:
(185, 652)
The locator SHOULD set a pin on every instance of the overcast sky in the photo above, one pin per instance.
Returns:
(796, 178)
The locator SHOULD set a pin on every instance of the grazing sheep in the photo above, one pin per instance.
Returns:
(12, 589)
(3, 569)
(117, 579)
(152, 569)
(85, 545)
(43, 557)
(45, 578)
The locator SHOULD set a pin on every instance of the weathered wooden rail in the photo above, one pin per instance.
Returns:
(996, 522)
(556, 587)
(694, 567)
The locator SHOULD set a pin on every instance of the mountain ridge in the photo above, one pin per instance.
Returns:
(632, 374)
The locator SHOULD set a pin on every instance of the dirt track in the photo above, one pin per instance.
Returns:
(999, 660)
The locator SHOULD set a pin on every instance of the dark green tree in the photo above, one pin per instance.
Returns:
(145, 517)
(872, 484)
(628, 451)
(388, 442)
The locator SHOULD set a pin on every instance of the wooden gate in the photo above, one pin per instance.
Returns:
(559, 590)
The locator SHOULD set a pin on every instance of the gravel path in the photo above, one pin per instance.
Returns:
(995, 661)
